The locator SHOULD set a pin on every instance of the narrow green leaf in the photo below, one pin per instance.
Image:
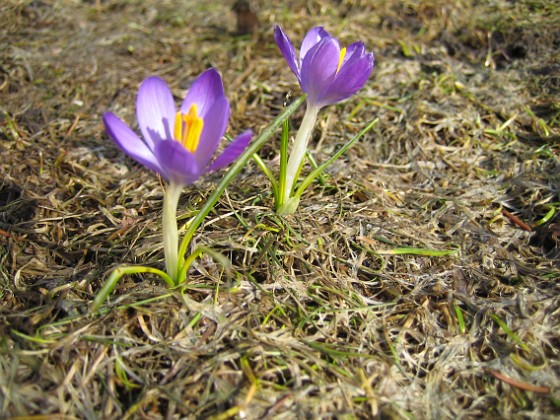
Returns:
(417, 251)
(264, 167)
(116, 275)
(509, 332)
(546, 217)
(460, 319)
(283, 163)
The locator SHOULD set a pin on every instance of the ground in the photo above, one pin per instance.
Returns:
(420, 279)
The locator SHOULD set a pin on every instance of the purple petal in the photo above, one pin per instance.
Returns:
(179, 165)
(351, 78)
(130, 143)
(155, 111)
(204, 92)
(232, 151)
(318, 68)
(287, 49)
(313, 37)
(357, 48)
(215, 125)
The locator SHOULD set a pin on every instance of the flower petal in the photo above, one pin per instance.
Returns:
(322, 75)
(179, 165)
(215, 125)
(357, 48)
(232, 151)
(204, 92)
(351, 78)
(287, 49)
(318, 69)
(155, 111)
(130, 143)
(313, 37)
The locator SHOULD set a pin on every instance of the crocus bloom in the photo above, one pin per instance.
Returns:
(326, 72)
(179, 145)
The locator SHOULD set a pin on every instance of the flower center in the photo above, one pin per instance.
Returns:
(188, 128)
(341, 58)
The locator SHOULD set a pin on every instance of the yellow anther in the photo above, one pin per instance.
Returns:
(188, 128)
(341, 58)
(178, 128)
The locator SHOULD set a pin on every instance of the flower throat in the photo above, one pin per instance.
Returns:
(188, 128)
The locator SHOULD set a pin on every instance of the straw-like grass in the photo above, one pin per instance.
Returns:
(419, 280)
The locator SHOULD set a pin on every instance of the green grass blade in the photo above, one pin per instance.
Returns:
(116, 275)
(460, 319)
(509, 332)
(546, 217)
(283, 163)
(417, 251)
(264, 167)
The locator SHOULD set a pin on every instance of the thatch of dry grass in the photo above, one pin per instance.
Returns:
(340, 311)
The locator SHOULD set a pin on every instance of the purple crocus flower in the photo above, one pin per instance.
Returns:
(179, 145)
(326, 73)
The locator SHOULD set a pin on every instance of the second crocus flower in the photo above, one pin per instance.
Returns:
(328, 74)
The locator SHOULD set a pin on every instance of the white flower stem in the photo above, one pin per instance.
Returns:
(297, 154)
(170, 232)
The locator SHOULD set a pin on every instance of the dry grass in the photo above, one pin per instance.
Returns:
(317, 316)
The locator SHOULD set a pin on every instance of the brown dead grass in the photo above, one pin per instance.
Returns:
(317, 316)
